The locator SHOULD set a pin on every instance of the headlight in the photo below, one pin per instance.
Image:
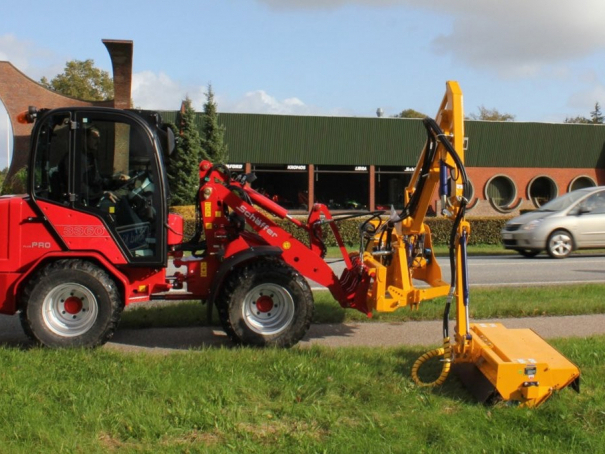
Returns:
(532, 225)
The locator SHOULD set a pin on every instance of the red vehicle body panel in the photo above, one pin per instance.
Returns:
(26, 243)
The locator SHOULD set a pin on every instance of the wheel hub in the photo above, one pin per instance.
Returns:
(268, 309)
(72, 305)
(70, 309)
(264, 303)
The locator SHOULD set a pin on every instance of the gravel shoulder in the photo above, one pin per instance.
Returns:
(426, 333)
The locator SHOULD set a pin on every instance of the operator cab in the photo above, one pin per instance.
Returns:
(104, 163)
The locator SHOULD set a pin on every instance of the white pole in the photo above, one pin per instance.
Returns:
(8, 140)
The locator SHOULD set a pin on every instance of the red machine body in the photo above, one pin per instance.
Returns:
(227, 205)
(93, 234)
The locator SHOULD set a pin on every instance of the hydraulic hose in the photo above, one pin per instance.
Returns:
(446, 353)
(429, 156)
(435, 135)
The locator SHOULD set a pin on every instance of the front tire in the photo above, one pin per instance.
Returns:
(559, 244)
(529, 253)
(265, 303)
(70, 303)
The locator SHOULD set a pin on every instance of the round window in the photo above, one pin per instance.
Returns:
(542, 189)
(581, 182)
(501, 190)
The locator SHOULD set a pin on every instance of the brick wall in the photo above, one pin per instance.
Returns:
(522, 178)
(18, 92)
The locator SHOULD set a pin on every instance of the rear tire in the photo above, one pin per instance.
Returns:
(559, 244)
(70, 303)
(265, 303)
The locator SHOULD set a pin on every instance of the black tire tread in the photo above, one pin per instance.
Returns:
(93, 271)
(244, 276)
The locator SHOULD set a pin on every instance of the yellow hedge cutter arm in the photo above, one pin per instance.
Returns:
(494, 362)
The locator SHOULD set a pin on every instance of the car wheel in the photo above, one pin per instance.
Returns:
(529, 253)
(559, 244)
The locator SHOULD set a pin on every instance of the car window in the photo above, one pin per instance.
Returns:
(595, 204)
(563, 202)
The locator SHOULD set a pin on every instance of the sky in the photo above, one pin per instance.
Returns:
(539, 60)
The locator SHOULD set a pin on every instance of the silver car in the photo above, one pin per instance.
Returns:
(573, 221)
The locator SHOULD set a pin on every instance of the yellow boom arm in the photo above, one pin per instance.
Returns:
(493, 361)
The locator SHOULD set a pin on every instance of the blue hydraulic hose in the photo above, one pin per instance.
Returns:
(442, 179)
(465, 285)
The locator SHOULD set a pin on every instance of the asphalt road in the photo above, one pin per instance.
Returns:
(515, 270)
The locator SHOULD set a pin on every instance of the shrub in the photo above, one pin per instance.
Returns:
(484, 230)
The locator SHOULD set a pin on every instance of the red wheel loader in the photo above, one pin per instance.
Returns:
(93, 234)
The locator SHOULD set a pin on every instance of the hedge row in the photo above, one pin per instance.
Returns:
(483, 230)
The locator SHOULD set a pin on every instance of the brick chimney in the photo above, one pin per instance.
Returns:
(120, 52)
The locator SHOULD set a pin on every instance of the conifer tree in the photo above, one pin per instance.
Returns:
(596, 115)
(183, 164)
(213, 132)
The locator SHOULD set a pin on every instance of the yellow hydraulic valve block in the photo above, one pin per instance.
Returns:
(393, 274)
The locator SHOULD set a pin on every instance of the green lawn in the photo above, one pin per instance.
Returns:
(302, 400)
(278, 401)
(484, 303)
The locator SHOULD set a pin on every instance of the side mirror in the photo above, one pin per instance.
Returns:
(171, 142)
(584, 209)
(167, 138)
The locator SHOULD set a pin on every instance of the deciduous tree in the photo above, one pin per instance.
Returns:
(410, 113)
(486, 114)
(596, 117)
(82, 80)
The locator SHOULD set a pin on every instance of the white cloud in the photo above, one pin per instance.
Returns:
(521, 38)
(584, 101)
(156, 91)
(159, 91)
(513, 37)
(259, 101)
(29, 58)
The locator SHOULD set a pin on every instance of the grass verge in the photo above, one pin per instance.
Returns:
(277, 401)
(485, 303)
